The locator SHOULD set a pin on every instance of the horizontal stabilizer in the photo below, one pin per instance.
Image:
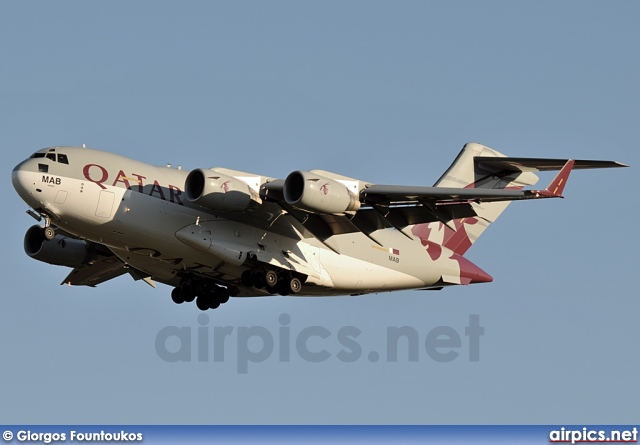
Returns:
(539, 164)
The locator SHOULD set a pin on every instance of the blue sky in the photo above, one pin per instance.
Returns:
(383, 91)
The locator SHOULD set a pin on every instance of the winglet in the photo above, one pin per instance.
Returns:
(555, 188)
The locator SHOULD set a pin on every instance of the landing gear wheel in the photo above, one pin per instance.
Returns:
(198, 288)
(202, 302)
(214, 304)
(221, 295)
(177, 296)
(295, 285)
(49, 233)
(283, 287)
(188, 293)
(259, 281)
(270, 278)
(246, 278)
(272, 289)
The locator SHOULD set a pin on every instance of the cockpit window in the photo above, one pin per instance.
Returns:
(62, 158)
(43, 168)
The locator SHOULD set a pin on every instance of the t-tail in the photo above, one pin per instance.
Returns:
(480, 167)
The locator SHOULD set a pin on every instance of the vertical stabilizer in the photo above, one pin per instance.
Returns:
(459, 234)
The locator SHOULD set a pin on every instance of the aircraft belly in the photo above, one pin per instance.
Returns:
(363, 265)
(357, 275)
(399, 263)
(234, 243)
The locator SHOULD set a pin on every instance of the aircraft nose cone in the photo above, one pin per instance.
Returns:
(470, 273)
(16, 178)
(22, 181)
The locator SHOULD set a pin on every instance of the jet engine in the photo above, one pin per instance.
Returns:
(61, 251)
(217, 191)
(315, 193)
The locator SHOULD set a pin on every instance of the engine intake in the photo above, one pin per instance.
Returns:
(60, 251)
(312, 192)
(217, 191)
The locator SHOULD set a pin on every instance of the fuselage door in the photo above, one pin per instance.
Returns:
(105, 204)
(61, 197)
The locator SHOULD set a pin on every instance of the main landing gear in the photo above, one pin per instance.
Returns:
(283, 283)
(207, 295)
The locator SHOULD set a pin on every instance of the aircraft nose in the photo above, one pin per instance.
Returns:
(470, 273)
(22, 180)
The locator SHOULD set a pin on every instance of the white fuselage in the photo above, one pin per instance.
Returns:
(140, 212)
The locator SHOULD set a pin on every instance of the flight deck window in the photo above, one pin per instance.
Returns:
(37, 155)
(51, 156)
(43, 168)
(63, 159)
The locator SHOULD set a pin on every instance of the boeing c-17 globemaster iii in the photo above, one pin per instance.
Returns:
(215, 233)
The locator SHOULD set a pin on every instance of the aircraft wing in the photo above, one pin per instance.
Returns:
(505, 165)
(394, 194)
(104, 265)
(384, 206)
(442, 195)
(104, 268)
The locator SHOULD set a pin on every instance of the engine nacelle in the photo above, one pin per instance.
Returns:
(61, 251)
(319, 194)
(217, 191)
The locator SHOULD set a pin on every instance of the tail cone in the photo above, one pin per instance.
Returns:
(470, 273)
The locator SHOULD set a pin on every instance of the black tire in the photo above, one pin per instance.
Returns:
(177, 295)
(270, 278)
(214, 304)
(283, 287)
(202, 302)
(49, 233)
(259, 281)
(188, 294)
(222, 295)
(198, 287)
(272, 289)
(295, 285)
(246, 278)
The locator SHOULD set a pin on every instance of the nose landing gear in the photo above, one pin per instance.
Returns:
(49, 233)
